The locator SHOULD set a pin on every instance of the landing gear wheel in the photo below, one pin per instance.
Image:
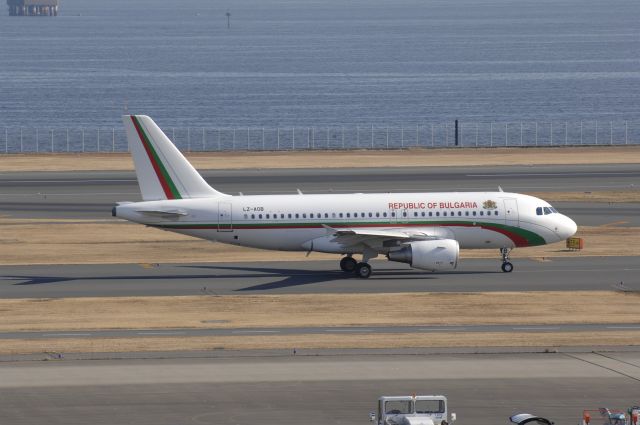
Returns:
(507, 267)
(363, 270)
(348, 264)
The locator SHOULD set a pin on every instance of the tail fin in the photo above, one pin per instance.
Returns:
(163, 172)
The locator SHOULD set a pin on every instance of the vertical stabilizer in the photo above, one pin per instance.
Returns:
(163, 172)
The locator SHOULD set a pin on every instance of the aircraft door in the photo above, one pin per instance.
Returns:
(512, 218)
(225, 223)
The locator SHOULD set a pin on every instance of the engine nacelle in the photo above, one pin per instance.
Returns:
(434, 255)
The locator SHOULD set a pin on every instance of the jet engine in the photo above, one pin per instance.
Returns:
(434, 255)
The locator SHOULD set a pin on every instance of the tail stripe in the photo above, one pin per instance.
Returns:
(168, 186)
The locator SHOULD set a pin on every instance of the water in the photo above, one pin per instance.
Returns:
(321, 62)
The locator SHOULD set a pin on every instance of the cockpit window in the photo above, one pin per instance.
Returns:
(539, 211)
(547, 210)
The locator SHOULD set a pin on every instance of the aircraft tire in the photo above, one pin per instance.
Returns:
(363, 270)
(348, 264)
(507, 267)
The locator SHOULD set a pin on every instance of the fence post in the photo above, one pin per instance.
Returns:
(98, 139)
(313, 138)
(387, 137)
(371, 136)
(263, 138)
(21, 147)
(446, 135)
(596, 132)
(417, 135)
(67, 140)
(626, 140)
(580, 131)
(611, 132)
(308, 137)
(6, 140)
(506, 134)
(358, 136)
(83, 140)
(37, 142)
(520, 133)
(491, 134)
(188, 139)
(219, 143)
(402, 137)
(551, 132)
(476, 134)
(52, 140)
(566, 134)
(327, 137)
(293, 137)
(113, 139)
(233, 142)
(536, 133)
(173, 135)
(248, 141)
(278, 143)
(204, 143)
(343, 137)
(433, 135)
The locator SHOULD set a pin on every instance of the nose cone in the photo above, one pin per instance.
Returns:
(566, 227)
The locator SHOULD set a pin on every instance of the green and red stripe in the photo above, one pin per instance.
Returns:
(520, 237)
(168, 186)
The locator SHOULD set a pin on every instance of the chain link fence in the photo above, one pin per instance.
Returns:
(432, 135)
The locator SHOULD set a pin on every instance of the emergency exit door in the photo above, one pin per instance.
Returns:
(512, 218)
(225, 223)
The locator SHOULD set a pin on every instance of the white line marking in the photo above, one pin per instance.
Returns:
(69, 334)
(160, 333)
(255, 332)
(552, 174)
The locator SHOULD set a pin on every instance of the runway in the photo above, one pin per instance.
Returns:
(90, 195)
(353, 330)
(290, 390)
(472, 275)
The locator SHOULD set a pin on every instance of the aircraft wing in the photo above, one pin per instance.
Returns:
(376, 238)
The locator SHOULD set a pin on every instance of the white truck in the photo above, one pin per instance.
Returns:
(412, 410)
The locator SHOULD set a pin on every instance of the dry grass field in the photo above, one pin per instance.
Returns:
(332, 310)
(337, 159)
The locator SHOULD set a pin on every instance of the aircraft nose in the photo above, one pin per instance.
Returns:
(566, 228)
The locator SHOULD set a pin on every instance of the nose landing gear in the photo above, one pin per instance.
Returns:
(507, 267)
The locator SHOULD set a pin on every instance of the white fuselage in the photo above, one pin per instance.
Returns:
(291, 222)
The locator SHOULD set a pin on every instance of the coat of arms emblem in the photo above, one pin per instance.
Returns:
(489, 205)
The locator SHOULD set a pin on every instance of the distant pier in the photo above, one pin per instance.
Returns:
(33, 7)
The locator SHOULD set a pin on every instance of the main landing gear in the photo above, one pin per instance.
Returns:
(507, 267)
(349, 265)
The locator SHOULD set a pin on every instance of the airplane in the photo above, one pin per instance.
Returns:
(424, 230)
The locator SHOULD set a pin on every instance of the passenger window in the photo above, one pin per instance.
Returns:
(384, 214)
(466, 213)
(259, 215)
(333, 215)
(267, 216)
(253, 216)
(444, 213)
(377, 214)
(348, 215)
(370, 214)
(539, 211)
(311, 215)
(246, 216)
(415, 213)
(404, 213)
(495, 212)
(430, 214)
(340, 215)
(289, 215)
(297, 215)
(304, 215)
(459, 213)
(326, 215)
(393, 214)
(474, 213)
(438, 214)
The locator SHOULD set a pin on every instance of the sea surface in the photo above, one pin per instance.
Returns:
(321, 63)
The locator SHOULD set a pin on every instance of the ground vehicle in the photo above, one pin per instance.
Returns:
(412, 410)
